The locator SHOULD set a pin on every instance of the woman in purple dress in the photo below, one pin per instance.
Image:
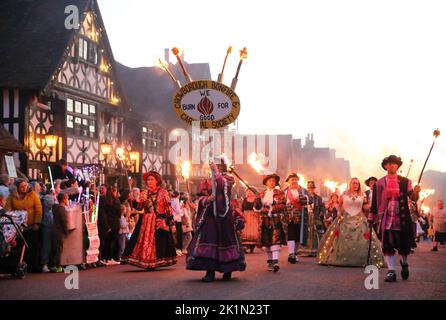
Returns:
(215, 245)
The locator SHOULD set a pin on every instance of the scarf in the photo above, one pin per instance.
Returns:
(393, 186)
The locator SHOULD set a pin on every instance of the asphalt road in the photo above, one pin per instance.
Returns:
(305, 280)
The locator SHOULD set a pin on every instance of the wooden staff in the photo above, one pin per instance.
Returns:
(436, 134)
(231, 170)
(410, 166)
(214, 193)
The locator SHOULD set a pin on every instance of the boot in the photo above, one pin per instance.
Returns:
(227, 276)
(270, 265)
(276, 267)
(434, 248)
(297, 259)
(292, 258)
(391, 276)
(404, 270)
(209, 277)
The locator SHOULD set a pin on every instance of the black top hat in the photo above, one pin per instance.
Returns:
(367, 182)
(269, 176)
(391, 159)
(292, 175)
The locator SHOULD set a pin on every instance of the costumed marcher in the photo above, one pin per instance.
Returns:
(347, 240)
(370, 182)
(215, 245)
(251, 233)
(154, 246)
(271, 204)
(390, 200)
(439, 225)
(296, 197)
(332, 209)
(315, 225)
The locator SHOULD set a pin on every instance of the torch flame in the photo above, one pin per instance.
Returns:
(426, 193)
(330, 185)
(243, 53)
(302, 179)
(229, 50)
(436, 133)
(185, 169)
(333, 186)
(255, 162)
(162, 64)
(425, 208)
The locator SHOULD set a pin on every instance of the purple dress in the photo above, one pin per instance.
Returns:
(215, 245)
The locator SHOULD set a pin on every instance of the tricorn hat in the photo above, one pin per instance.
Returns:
(292, 175)
(367, 182)
(391, 159)
(269, 176)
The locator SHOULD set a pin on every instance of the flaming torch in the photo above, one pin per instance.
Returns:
(165, 66)
(185, 172)
(220, 76)
(436, 134)
(255, 162)
(243, 56)
(176, 52)
(244, 182)
(425, 193)
(333, 186)
(425, 208)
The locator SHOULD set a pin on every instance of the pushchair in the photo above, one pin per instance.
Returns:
(12, 243)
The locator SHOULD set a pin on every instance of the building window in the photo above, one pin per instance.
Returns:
(88, 51)
(152, 139)
(81, 120)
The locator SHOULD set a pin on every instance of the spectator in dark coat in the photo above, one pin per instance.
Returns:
(113, 212)
(60, 229)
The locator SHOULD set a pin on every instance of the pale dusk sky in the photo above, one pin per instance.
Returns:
(367, 78)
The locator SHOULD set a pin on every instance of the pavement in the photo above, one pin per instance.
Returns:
(305, 280)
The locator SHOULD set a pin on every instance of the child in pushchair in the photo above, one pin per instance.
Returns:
(13, 243)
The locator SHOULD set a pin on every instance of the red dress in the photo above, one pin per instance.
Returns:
(155, 246)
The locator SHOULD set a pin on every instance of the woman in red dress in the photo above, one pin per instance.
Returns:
(154, 247)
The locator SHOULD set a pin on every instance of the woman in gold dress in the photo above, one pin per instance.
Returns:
(346, 242)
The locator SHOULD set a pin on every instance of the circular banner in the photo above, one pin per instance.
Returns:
(212, 103)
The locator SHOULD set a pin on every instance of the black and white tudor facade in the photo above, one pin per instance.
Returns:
(64, 81)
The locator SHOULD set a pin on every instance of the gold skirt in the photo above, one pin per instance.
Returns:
(346, 243)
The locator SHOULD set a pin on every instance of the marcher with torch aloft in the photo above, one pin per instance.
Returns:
(390, 200)
(215, 247)
(270, 203)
